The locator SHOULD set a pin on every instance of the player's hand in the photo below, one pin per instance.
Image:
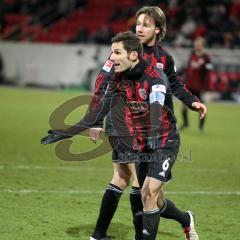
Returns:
(54, 136)
(201, 108)
(95, 133)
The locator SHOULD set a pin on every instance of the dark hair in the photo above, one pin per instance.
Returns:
(130, 42)
(158, 16)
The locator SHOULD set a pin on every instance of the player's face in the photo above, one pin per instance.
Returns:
(198, 45)
(146, 30)
(120, 58)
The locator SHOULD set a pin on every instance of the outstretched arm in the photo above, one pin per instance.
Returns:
(93, 116)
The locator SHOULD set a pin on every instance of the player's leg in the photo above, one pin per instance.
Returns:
(121, 179)
(184, 113)
(186, 219)
(151, 212)
(201, 124)
(136, 204)
(203, 120)
(158, 173)
(168, 209)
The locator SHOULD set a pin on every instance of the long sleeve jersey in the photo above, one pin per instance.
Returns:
(156, 56)
(133, 99)
(197, 71)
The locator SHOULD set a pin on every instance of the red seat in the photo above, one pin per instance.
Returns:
(18, 19)
(119, 26)
(32, 29)
(126, 3)
(9, 1)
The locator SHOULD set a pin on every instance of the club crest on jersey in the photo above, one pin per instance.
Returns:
(108, 66)
(159, 65)
(143, 93)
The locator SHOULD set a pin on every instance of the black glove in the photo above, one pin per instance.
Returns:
(54, 136)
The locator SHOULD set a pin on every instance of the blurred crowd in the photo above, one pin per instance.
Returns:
(218, 21)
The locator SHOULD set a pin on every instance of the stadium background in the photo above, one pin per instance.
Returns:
(51, 52)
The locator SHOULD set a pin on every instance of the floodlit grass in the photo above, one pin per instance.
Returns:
(43, 197)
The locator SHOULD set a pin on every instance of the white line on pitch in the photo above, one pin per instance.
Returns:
(25, 191)
(83, 168)
(62, 168)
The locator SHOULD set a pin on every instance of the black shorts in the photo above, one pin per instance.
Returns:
(122, 149)
(128, 156)
(158, 166)
(152, 163)
(123, 152)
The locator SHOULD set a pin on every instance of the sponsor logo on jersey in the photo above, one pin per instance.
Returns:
(159, 88)
(137, 107)
(159, 65)
(143, 93)
(108, 66)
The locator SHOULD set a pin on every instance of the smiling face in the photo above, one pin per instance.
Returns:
(121, 58)
(146, 30)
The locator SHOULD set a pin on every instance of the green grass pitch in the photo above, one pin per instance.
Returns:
(44, 198)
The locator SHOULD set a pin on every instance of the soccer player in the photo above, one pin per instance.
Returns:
(151, 29)
(199, 65)
(142, 114)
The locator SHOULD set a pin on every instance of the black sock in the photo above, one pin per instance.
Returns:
(109, 205)
(151, 221)
(201, 124)
(185, 117)
(137, 211)
(170, 211)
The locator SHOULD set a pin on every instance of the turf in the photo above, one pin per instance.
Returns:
(43, 197)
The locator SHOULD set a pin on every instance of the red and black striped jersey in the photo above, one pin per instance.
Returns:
(128, 96)
(158, 57)
(197, 71)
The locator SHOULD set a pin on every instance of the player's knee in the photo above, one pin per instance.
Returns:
(152, 194)
(149, 194)
(160, 203)
(121, 182)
